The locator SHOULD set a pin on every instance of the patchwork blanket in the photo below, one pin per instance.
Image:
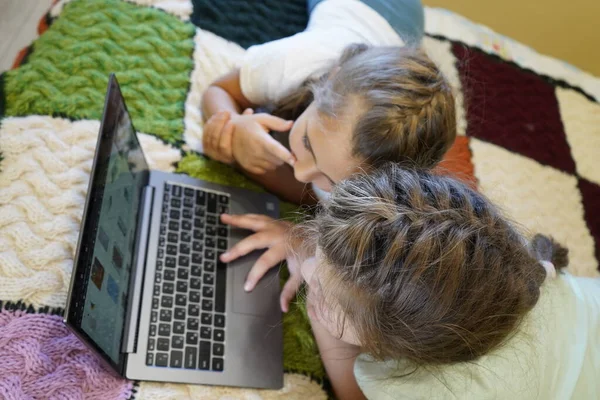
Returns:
(529, 137)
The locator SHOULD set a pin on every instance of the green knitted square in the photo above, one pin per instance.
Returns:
(300, 352)
(67, 74)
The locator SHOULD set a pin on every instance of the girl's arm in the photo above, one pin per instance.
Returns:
(338, 358)
(225, 94)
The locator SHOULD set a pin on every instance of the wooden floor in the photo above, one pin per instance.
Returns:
(18, 26)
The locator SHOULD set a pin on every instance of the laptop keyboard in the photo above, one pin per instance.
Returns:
(187, 323)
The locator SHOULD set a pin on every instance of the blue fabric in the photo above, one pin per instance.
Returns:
(406, 17)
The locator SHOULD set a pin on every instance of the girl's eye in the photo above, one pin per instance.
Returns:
(306, 142)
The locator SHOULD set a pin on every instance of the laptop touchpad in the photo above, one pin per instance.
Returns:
(264, 298)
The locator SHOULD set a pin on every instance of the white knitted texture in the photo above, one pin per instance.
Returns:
(43, 184)
(213, 58)
(295, 387)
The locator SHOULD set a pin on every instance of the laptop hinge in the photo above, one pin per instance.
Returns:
(138, 267)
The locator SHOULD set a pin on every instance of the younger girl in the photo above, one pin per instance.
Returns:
(421, 289)
(377, 105)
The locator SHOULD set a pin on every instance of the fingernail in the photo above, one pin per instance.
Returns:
(292, 161)
(248, 286)
(224, 215)
(224, 256)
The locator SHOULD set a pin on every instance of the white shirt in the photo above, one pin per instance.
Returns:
(555, 355)
(272, 70)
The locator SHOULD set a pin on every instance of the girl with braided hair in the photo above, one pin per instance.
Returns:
(419, 288)
(376, 105)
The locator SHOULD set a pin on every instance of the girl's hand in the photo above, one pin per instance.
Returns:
(217, 137)
(253, 148)
(270, 234)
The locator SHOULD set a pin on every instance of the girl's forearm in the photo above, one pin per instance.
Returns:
(338, 358)
(216, 99)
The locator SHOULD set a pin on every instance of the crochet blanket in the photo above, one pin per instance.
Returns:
(529, 133)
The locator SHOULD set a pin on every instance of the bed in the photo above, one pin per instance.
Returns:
(529, 137)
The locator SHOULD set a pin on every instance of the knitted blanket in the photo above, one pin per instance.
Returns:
(529, 133)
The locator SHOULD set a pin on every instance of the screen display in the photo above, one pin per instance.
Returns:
(107, 246)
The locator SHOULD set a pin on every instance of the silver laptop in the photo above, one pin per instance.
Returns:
(148, 293)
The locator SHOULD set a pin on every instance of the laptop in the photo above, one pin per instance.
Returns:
(148, 293)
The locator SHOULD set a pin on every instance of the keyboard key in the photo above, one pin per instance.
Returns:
(199, 211)
(176, 190)
(174, 214)
(186, 225)
(161, 242)
(169, 275)
(211, 204)
(160, 253)
(152, 330)
(163, 344)
(200, 197)
(164, 330)
(168, 288)
(218, 349)
(159, 265)
(223, 199)
(177, 342)
(184, 248)
(178, 327)
(154, 317)
(176, 203)
(177, 359)
(194, 297)
(181, 300)
(222, 231)
(209, 254)
(219, 320)
(219, 335)
(206, 318)
(197, 246)
(220, 286)
(209, 279)
(191, 338)
(172, 250)
(162, 359)
(204, 355)
(198, 234)
(188, 192)
(211, 219)
(209, 266)
(195, 283)
(196, 270)
(192, 324)
(165, 315)
(170, 262)
(186, 237)
(223, 210)
(205, 332)
(180, 313)
(207, 305)
(182, 286)
(188, 202)
(149, 359)
(197, 258)
(222, 244)
(198, 223)
(157, 277)
(166, 301)
(163, 230)
(156, 290)
(187, 213)
(207, 291)
(172, 237)
(217, 364)
(155, 303)
(193, 310)
(183, 273)
(183, 261)
(173, 225)
(209, 241)
(190, 358)
(151, 343)
(211, 230)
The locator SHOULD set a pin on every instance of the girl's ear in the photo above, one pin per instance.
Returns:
(307, 269)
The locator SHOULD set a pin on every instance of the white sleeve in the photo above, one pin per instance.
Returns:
(272, 70)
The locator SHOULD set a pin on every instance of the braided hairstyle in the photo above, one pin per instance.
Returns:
(407, 110)
(423, 267)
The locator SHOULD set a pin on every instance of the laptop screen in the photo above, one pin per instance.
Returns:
(99, 294)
